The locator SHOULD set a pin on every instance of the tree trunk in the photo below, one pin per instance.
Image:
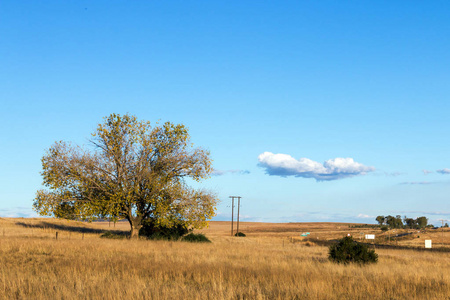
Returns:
(135, 231)
(136, 225)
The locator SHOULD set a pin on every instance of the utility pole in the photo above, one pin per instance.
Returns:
(232, 212)
(239, 204)
(442, 230)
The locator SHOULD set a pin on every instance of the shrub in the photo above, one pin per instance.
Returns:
(111, 235)
(347, 251)
(384, 228)
(163, 233)
(195, 238)
(239, 234)
(309, 244)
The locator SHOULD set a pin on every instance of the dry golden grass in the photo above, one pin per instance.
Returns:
(263, 265)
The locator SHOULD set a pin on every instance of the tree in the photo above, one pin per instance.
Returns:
(394, 222)
(390, 221)
(132, 171)
(410, 222)
(422, 222)
(380, 220)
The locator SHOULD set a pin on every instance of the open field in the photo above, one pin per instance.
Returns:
(272, 262)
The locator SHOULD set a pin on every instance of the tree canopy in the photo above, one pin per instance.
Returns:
(132, 171)
(396, 222)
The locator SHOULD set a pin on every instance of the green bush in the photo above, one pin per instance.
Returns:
(239, 234)
(195, 238)
(384, 228)
(152, 232)
(347, 251)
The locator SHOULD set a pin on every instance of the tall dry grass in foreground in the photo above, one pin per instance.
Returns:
(40, 267)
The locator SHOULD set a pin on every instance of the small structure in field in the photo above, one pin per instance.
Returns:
(370, 236)
(428, 244)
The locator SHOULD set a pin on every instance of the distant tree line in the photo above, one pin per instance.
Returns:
(398, 222)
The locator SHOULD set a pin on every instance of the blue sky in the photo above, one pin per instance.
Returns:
(348, 101)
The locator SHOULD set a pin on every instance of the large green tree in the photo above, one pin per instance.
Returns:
(131, 170)
(380, 220)
(394, 222)
(422, 222)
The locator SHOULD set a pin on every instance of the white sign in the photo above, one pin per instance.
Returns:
(427, 243)
(370, 236)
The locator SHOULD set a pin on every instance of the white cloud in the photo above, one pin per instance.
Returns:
(443, 171)
(285, 165)
(426, 172)
(223, 172)
(363, 216)
(393, 174)
(416, 182)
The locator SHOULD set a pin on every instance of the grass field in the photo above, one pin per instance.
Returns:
(272, 262)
